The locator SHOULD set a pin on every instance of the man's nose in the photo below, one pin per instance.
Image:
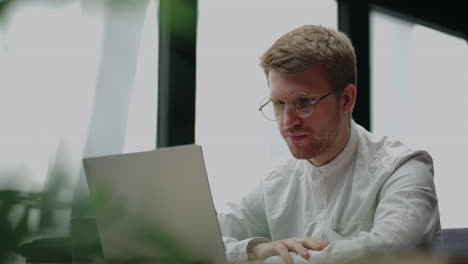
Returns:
(290, 117)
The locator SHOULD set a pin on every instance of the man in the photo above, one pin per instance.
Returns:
(347, 192)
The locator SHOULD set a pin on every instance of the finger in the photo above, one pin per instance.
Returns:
(296, 246)
(314, 245)
(283, 251)
(325, 243)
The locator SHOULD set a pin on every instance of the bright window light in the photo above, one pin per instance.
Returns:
(419, 96)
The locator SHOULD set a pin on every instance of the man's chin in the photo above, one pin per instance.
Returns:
(300, 154)
(307, 151)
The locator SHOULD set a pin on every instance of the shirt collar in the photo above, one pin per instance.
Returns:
(344, 157)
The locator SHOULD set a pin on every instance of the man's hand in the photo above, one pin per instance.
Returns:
(282, 248)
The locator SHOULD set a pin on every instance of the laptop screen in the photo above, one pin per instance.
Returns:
(155, 204)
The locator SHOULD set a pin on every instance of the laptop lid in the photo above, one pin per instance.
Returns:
(155, 204)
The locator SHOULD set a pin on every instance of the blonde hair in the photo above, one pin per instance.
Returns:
(310, 45)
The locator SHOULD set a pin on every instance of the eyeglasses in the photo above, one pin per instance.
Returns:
(301, 103)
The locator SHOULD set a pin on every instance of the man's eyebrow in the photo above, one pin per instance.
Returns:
(276, 99)
(312, 94)
(315, 93)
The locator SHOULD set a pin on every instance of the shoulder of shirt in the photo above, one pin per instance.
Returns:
(384, 151)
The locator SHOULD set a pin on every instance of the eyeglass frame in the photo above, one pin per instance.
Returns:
(312, 102)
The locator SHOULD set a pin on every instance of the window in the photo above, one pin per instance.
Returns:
(74, 73)
(418, 96)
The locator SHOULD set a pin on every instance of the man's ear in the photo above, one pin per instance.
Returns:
(349, 98)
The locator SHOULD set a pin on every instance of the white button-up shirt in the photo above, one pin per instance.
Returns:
(376, 194)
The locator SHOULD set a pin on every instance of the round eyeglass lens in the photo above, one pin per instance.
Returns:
(304, 105)
(268, 109)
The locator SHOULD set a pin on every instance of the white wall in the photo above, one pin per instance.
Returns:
(238, 142)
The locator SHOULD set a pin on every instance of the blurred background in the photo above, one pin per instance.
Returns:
(83, 78)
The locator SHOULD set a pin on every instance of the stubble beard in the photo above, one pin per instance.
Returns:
(318, 143)
(311, 150)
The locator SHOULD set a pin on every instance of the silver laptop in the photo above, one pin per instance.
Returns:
(155, 205)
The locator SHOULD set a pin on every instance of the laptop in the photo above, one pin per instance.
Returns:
(155, 205)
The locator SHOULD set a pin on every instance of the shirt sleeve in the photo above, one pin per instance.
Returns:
(405, 216)
(244, 223)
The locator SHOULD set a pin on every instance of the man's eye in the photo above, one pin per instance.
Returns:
(277, 104)
(304, 102)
